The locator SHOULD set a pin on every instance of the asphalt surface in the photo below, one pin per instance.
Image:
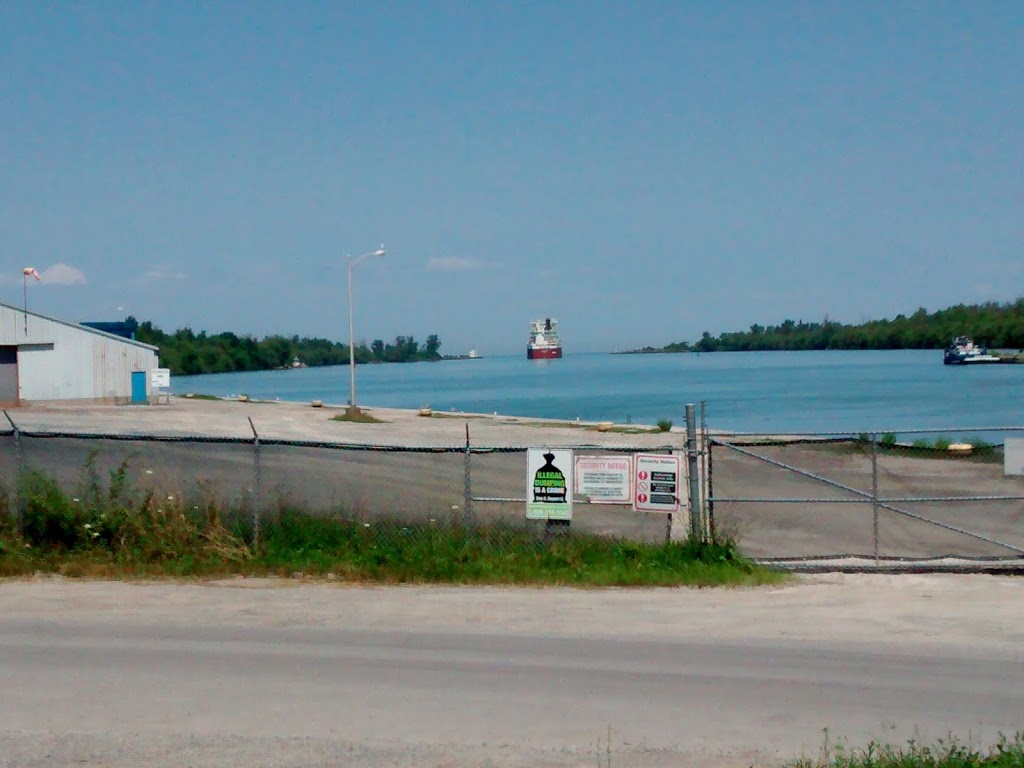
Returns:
(88, 691)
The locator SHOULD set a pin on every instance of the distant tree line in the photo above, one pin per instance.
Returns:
(998, 326)
(188, 353)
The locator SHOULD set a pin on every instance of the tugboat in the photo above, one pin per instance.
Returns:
(544, 343)
(963, 351)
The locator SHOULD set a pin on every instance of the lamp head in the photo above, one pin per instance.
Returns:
(379, 251)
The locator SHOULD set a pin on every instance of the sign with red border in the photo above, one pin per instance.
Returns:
(658, 482)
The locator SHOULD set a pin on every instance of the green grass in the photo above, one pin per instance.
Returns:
(393, 552)
(357, 417)
(107, 530)
(194, 396)
(397, 552)
(947, 753)
(922, 448)
(460, 416)
(627, 430)
(621, 430)
(554, 424)
(543, 424)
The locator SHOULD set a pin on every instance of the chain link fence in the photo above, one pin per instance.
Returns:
(886, 496)
(252, 480)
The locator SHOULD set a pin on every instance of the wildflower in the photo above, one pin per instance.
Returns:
(149, 471)
(366, 525)
(75, 499)
(88, 526)
(170, 498)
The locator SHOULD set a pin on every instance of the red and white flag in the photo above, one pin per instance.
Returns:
(31, 272)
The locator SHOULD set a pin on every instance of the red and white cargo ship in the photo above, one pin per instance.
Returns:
(544, 343)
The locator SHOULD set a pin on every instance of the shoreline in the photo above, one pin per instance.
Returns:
(1006, 357)
(301, 421)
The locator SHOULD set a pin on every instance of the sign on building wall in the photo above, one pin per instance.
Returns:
(658, 483)
(549, 486)
(604, 479)
(160, 378)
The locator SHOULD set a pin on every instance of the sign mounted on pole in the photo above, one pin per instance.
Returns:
(549, 473)
(160, 378)
(657, 483)
(604, 479)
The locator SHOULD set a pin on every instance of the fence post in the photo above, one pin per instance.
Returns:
(467, 499)
(705, 517)
(17, 442)
(712, 532)
(668, 517)
(694, 472)
(19, 458)
(874, 492)
(256, 483)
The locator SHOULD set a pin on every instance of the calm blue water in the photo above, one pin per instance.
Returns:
(745, 391)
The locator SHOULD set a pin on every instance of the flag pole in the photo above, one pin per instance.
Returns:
(24, 288)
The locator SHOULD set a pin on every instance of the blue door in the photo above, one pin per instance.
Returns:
(138, 386)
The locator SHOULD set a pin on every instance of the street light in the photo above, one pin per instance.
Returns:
(352, 409)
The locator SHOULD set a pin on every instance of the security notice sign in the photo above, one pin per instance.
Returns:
(549, 484)
(604, 479)
(658, 480)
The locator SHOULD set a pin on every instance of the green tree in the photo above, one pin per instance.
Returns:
(433, 347)
(188, 353)
(991, 324)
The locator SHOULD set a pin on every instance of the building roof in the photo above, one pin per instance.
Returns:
(79, 327)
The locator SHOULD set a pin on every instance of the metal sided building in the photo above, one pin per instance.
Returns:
(43, 359)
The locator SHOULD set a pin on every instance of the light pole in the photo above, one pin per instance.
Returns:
(352, 409)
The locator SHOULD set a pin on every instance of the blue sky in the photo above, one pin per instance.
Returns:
(641, 171)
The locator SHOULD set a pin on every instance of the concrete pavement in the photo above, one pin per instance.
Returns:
(213, 675)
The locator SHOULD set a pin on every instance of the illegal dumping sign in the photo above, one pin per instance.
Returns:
(604, 479)
(549, 486)
(658, 483)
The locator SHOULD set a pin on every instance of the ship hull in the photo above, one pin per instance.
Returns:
(543, 353)
(952, 359)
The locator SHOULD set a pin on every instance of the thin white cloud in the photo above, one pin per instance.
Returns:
(455, 264)
(62, 274)
(165, 272)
